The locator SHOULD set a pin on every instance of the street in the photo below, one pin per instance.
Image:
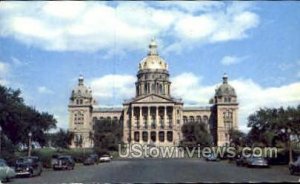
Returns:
(162, 170)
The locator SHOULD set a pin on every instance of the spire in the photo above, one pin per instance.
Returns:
(152, 48)
(80, 80)
(225, 78)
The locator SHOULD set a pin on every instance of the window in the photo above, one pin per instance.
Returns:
(136, 136)
(145, 136)
(161, 136)
(170, 136)
(184, 119)
(153, 136)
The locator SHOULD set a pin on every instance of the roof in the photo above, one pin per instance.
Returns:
(196, 108)
(108, 109)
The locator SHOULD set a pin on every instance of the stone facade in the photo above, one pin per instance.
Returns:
(153, 116)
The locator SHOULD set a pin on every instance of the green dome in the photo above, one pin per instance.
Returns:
(225, 89)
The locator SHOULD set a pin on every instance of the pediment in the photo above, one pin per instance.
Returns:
(152, 98)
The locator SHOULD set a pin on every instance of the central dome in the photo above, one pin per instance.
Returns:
(153, 61)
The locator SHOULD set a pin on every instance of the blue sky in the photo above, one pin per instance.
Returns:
(44, 46)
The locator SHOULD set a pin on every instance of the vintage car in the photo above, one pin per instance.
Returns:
(28, 166)
(241, 161)
(6, 173)
(294, 167)
(91, 160)
(64, 162)
(212, 157)
(257, 161)
(105, 158)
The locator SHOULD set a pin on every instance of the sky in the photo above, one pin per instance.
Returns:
(45, 46)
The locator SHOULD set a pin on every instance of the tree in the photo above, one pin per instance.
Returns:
(107, 134)
(17, 119)
(237, 137)
(61, 139)
(196, 133)
(272, 126)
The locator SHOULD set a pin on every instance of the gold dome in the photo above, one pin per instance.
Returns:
(153, 61)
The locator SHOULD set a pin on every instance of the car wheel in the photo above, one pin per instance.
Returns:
(31, 174)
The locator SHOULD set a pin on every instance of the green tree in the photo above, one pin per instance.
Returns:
(237, 137)
(272, 126)
(107, 134)
(196, 133)
(61, 139)
(17, 119)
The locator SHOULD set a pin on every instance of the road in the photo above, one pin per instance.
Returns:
(162, 170)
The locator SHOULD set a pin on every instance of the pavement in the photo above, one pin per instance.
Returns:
(162, 170)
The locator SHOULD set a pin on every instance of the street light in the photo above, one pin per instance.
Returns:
(290, 142)
(0, 139)
(29, 144)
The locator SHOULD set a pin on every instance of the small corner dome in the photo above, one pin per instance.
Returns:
(81, 90)
(225, 89)
(153, 60)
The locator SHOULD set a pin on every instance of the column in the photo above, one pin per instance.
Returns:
(165, 117)
(141, 117)
(173, 117)
(156, 123)
(148, 117)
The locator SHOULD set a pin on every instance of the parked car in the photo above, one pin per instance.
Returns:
(105, 158)
(212, 157)
(64, 162)
(294, 167)
(241, 161)
(28, 166)
(91, 159)
(257, 161)
(6, 173)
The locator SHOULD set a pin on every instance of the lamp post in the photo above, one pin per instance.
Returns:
(290, 146)
(29, 144)
(290, 142)
(0, 139)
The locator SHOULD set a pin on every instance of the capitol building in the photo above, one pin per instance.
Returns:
(153, 116)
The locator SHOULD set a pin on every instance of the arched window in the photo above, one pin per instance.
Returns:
(198, 119)
(205, 119)
(145, 89)
(192, 119)
(184, 119)
(160, 89)
(153, 88)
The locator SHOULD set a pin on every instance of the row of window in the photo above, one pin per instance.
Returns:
(195, 119)
(161, 136)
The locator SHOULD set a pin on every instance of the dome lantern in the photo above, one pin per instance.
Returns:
(153, 61)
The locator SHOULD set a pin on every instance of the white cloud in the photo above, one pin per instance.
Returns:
(230, 60)
(110, 90)
(113, 88)
(251, 96)
(4, 71)
(44, 90)
(92, 26)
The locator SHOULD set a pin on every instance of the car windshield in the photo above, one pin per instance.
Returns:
(24, 160)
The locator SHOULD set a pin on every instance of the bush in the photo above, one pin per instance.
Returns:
(45, 156)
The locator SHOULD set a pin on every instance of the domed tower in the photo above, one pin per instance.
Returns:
(80, 111)
(152, 116)
(225, 109)
(153, 75)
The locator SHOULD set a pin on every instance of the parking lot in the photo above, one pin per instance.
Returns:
(162, 170)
